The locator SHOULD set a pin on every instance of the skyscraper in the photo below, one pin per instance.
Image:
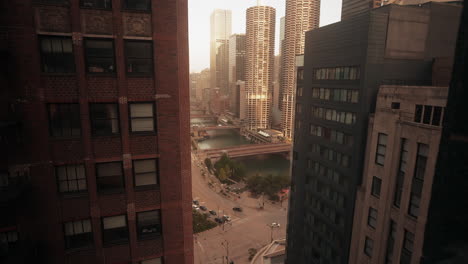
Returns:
(301, 16)
(219, 49)
(281, 51)
(345, 64)
(237, 55)
(94, 132)
(260, 45)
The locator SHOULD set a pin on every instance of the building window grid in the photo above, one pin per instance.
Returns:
(78, 234)
(418, 180)
(376, 186)
(428, 114)
(390, 243)
(372, 217)
(142, 117)
(137, 5)
(332, 155)
(407, 249)
(337, 95)
(96, 4)
(57, 54)
(71, 178)
(145, 172)
(331, 135)
(381, 149)
(334, 115)
(104, 119)
(149, 224)
(100, 56)
(109, 177)
(368, 246)
(64, 120)
(337, 73)
(115, 229)
(139, 57)
(401, 172)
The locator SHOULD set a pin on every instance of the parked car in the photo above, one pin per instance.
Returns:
(196, 202)
(219, 220)
(237, 209)
(212, 212)
(194, 206)
(203, 208)
(227, 218)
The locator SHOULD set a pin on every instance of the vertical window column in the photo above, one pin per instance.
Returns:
(401, 172)
(418, 180)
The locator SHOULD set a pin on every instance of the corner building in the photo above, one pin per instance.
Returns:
(260, 59)
(94, 132)
(344, 65)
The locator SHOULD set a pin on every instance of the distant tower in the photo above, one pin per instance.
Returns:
(260, 47)
(354, 7)
(219, 49)
(301, 16)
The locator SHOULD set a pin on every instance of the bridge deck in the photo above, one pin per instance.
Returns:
(249, 150)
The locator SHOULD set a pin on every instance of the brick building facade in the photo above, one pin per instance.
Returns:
(95, 163)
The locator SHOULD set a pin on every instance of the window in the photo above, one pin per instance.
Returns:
(395, 105)
(298, 108)
(100, 55)
(139, 57)
(152, 261)
(143, 5)
(145, 172)
(418, 113)
(381, 149)
(64, 120)
(376, 185)
(418, 180)
(78, 234)
(57, 54)
(427, 114)
(142, 117)
(390, 243)
(115, 229)
(71, 178)
(407, 250)
(368, 246)
(149, 224)
(372, 217)
(102, 4)
(8, 240)
(401, 173)
(104, 119)
(437, 116)
(109, 176)
(53, 1)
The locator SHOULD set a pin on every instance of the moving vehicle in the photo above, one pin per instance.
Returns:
(203, 208)
(237, 209)
(227, 218)
(219, 220)
(194, 206)
(212, 212)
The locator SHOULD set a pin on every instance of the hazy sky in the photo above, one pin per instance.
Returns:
(199, 23)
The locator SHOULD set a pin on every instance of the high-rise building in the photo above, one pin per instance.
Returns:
(445, 239)
(219, 49)
(237, 55)
(402, 147)
(94, 126)
(301, 16)
(281, 52)
(344, 65)
(260, 45)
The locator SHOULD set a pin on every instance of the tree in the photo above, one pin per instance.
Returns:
(208, 164)
(222, 175)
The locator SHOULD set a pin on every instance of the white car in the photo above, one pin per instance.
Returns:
(194, 206)
(227, 218)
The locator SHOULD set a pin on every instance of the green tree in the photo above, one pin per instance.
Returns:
(208, 164)
(222, 175)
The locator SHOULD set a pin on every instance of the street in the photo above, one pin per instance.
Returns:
(247, 229)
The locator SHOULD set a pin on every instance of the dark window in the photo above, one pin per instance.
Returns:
(300, 74)
(372, 217)
(418, 113)
(376, 185)
(395, 105)
(381, 149)
(437, 116)
(368, 246)
(427, 114)
(64, 120)
(144, 5)
(152, 261)
(100, 55)
(78, 234)
(61, 2)
(8, 241)
(142, 117)
(57, 54)
(102, 4)
(390, 243)
(401, 172)
(149, 224)
(71, 178)
(407, 250)
(109, 176)
(139, 57)
(104, 119)
(146, 172)
(115, 229)
(418, 180)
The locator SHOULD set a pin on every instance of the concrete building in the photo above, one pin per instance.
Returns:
(301, 16)
(445, 239)
(281, 52)
(95, 148)
(220, 22)
(402, 146)
(260, 45)
(345, 64)
(237, 55)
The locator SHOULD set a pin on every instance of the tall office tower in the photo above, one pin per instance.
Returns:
(281, 51)
(95, 141)
(260, 45)
(237, 55)
(445, 239)
(219, 49)
(392, 202)
(301, 16)
(345, 64)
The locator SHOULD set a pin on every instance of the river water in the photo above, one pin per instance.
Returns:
(274, 164)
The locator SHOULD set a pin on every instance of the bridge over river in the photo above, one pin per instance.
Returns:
(249, 150)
